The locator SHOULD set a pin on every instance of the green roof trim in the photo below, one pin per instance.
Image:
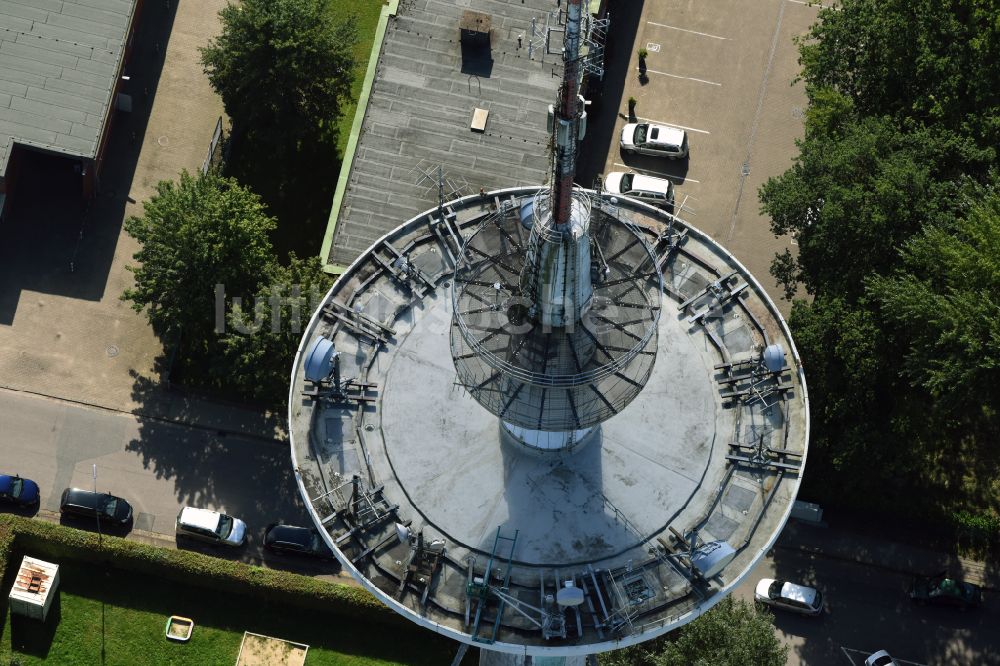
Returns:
(389, 9)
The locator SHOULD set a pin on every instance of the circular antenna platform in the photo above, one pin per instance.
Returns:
(543, 419)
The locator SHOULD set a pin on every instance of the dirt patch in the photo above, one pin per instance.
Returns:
(179, 629)
(258, 650)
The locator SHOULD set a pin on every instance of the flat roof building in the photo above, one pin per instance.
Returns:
(61, 65)
(428, 84)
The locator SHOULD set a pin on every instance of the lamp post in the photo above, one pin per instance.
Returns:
(97, 514)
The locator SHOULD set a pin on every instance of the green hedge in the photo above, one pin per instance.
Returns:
(19, 536)
(6, 545)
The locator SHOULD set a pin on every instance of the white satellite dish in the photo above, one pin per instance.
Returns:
(571, 595)
(774, 358)
(527, 213)
(319, 360)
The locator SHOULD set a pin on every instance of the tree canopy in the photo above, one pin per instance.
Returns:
(734, 633)
(893, 202)
(945, 299)
(935, 61)
(204, 231)
(194, 234)
(259, 344)
(282, 68)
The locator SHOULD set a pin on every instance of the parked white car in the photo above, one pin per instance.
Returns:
(657, 140)
(211, 526)
(789, 596)
(647, 188)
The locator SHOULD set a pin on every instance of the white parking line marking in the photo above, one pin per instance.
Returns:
(677, 76)
(658, 175)
(693, 32)
(865, 654)
(812, 4)
(660, 122)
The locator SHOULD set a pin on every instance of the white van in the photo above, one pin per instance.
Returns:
(647, 188)
(657, 140)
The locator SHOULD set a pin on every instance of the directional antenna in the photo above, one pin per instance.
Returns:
(570, 595)
(319, 360)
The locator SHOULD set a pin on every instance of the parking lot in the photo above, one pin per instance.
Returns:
(722, 71)
(867, 609)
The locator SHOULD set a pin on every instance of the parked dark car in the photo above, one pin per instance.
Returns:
(299, 540)
(15, 490)
(88, 504)
(939, 590)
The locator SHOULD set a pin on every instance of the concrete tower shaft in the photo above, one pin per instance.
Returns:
(543, 336)
(556, 276)
(526, 356)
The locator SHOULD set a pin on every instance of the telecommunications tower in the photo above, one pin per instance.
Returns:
(545, 421)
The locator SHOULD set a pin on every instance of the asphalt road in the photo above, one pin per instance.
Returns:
(867, 609)
(158, 467)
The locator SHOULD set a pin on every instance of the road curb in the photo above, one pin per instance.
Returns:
(977, 578)
(150, 417)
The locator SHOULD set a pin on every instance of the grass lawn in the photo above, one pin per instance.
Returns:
(130, 612)
(366, 14)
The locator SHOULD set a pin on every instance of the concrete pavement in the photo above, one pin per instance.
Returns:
(725, 75)
(64, 331)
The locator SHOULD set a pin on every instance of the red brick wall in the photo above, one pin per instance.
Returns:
(94, 170)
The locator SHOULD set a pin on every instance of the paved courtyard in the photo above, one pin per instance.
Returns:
(63, 329)
(724, 75)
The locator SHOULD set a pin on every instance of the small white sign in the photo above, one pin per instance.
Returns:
(653, 47)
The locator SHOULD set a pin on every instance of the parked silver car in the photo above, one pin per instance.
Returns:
(211, 527)
(647, 188)
(789, 596)
(656, 140)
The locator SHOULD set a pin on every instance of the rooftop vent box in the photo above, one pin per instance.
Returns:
(34, 588)
(474, 28)
(712, 558)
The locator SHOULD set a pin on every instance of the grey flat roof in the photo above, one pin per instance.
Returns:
(59, 62)
(420, 110)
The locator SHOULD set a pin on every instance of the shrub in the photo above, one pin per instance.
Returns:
(979, 531)
(55, 542)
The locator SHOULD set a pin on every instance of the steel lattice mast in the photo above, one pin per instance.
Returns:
(566, 123)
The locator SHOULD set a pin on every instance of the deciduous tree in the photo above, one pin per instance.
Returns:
(260, 341)
(734, 633)
(282, 68)
(194, 234)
